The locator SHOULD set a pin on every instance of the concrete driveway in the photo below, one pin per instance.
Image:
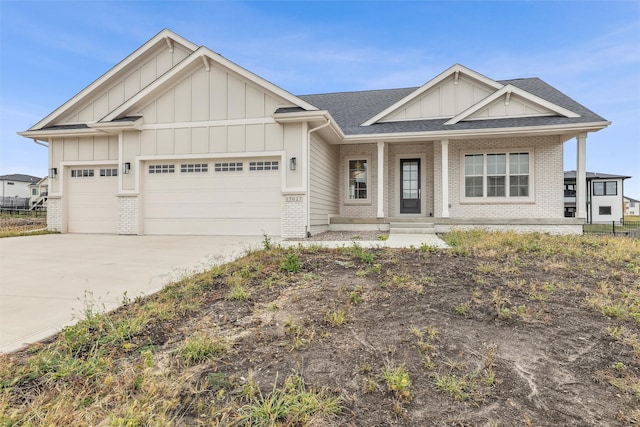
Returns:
(47, 281)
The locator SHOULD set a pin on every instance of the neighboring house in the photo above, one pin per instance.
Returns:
(16, 191)
(39, 192)
(176, 139)
(604, 198)
(631, 206)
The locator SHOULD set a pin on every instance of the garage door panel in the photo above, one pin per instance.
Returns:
(92, 204)
(217, 203)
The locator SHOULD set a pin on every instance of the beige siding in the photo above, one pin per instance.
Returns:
(323, 181)
(123, 86)
(444, 100)
(207, 108)
(517, 106)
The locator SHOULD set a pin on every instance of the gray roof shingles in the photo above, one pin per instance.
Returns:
(18, 177)
(351, 109)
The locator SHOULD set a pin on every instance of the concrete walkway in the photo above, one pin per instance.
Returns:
(47, 282)
(394, 241)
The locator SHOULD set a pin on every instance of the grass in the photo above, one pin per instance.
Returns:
(169, 359)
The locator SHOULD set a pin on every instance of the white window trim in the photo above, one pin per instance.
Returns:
(498, 200)
(347, 200)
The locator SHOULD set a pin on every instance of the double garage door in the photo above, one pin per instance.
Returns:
(194, 197)
(216, 197)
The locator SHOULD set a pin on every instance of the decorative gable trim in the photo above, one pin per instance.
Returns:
(206, 57)
(163, 37)
(454, 71)
(506, 93)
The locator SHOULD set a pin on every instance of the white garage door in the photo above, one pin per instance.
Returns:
(91, 199)
(215, 197)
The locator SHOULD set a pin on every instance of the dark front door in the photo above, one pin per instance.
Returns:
(410, 186)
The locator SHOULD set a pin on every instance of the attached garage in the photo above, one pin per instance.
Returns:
(212, 197)
(91, 199)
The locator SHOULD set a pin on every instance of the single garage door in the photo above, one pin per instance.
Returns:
(91, 199)
(216, 197)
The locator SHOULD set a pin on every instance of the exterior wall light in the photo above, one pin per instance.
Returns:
(292, 163)
(126, 167)
(53, 172)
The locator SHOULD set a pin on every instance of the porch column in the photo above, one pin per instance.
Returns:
(581, 176)
(444, 143)
(380, 213)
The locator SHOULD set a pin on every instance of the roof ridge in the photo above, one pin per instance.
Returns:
(360, 91)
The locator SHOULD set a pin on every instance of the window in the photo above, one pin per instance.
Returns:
(569, 190)
(109, 172)
(194, 167)
(228, 167)
(358, 180)
(496, 175)
(605, 188)
(264, 166)
(569, 212)
(162, 168)
(604, 210)
(11, 183)
(34, 191)
(81, 173)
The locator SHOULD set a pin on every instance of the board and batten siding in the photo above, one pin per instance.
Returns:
(78, 149)
(124, 86)
(444, 100)
(324, 162)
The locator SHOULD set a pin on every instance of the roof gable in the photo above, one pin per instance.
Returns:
(511, 101)
(205, 59)
(121, 82)
(449, 93)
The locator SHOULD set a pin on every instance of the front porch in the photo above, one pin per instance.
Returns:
(422, 225)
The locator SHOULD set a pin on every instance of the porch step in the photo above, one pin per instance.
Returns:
(412, 228)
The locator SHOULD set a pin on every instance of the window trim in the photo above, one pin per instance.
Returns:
(499, 199)
(368, 199)
(604, 188)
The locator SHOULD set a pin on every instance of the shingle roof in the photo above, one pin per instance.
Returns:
(351, 109)
(18, 177)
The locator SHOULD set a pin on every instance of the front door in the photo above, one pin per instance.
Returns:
(410, 186)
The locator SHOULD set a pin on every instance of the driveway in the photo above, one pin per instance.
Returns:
(47, 281)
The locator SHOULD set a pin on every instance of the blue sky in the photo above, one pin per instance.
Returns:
(590, 50)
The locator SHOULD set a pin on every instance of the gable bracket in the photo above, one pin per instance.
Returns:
(207, 66)
(455, 77)
(507, 98)
(169, 43)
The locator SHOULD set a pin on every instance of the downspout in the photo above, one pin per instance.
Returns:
(41, 143)
(309, 173)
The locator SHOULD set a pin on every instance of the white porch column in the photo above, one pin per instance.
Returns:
(380, 213)
(445, 177)
(581, 176)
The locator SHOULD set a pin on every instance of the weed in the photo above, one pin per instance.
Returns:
(462, 309)
(453, 385)
(267, 243)
(383, 237)
(291, 264)
(428, 248)
(355, 296)
(201, 348)
(239, 293)
(370, 385)
(398, 381)
(336, 318)
(293, 404)
(375, 268)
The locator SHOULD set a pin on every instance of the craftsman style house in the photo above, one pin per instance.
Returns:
(176, 139)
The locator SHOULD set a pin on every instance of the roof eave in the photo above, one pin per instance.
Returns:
(55, 133)
(308, 116)
(565, 129)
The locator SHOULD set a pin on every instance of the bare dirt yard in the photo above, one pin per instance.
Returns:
(499, 330)
(15, 225)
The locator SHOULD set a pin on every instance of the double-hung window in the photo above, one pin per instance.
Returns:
(358, 180)
(497, 175)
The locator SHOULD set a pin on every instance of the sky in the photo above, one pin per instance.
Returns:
(590, 50)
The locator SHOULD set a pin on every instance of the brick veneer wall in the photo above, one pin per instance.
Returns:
(128, 215)
(359, 210)
(54, 214)
(294, 215)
